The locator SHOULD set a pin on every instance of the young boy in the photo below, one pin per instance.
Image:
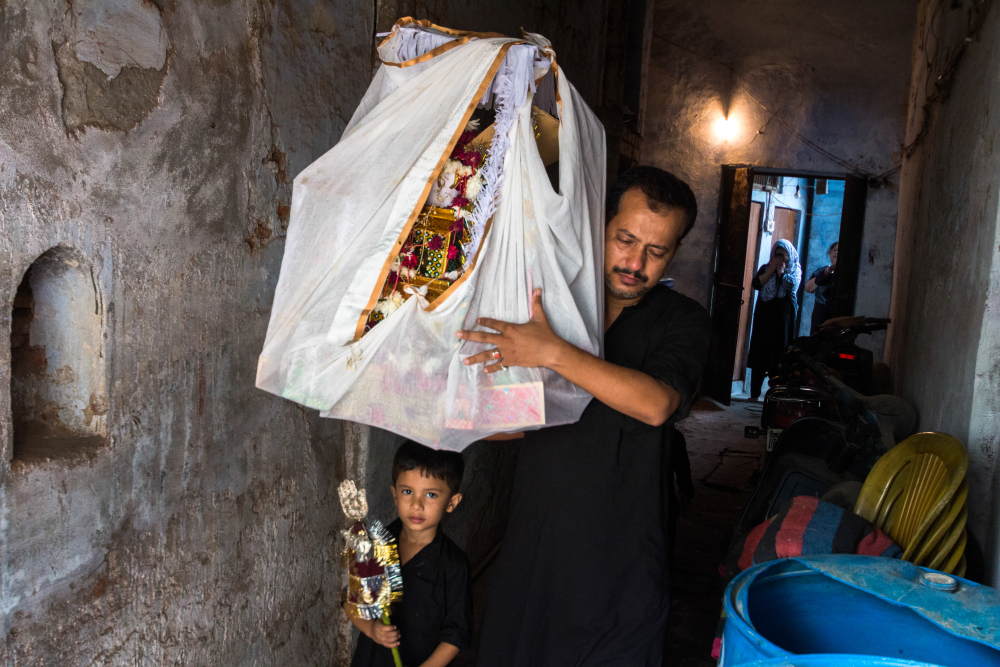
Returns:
(433, 622)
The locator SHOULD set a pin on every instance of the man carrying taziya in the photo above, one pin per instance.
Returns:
(581, 577)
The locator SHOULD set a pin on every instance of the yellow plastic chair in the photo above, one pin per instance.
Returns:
(944, 551)
(943, 534)
(955, 564)
(911, 486)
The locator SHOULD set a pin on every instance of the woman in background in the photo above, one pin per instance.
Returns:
(820, 285)
(774, 314)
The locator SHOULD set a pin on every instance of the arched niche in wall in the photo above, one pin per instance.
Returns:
(57, 382)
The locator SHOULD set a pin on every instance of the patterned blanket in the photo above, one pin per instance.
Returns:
(804, 526)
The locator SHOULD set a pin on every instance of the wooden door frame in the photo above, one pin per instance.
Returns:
(734, 218)
(743, 351)
(727, 281)
(852, 231)
(852, 234)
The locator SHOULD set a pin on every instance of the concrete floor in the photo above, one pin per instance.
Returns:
(722, 462)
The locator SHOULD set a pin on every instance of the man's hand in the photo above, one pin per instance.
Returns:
(531, 345)
(386, 635)
(534, 344)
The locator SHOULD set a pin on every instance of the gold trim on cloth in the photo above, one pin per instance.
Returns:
(359, 330)
(386, 554)
(424, 23)
(462, 36)
(430, 54)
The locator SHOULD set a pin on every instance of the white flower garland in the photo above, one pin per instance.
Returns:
(505, 105)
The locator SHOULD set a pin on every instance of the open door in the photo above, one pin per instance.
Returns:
(727, 290)
(852, 229)
(743, 341)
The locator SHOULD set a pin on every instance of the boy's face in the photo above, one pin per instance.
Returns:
(422, 501)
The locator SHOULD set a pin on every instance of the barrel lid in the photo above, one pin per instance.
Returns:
(835, 660)
(957, 605)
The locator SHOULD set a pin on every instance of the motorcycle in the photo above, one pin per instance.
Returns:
(794, 393)
(827, 424)
(838, 442)
(835, 346)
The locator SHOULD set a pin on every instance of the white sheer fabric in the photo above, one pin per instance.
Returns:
(349, 209)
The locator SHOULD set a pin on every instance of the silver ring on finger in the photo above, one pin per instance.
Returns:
(502, 367)
(496, 353)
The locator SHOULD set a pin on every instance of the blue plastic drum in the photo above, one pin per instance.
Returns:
(861, 606)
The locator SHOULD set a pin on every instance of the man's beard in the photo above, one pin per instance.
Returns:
(625, 294)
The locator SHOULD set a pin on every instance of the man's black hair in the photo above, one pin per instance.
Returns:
(445, 465)
(662, 189)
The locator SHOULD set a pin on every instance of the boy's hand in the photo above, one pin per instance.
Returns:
(386, 635)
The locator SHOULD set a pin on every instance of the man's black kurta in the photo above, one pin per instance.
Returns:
(581, 578)
(436, 605)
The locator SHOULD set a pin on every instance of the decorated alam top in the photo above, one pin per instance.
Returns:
(442, 242)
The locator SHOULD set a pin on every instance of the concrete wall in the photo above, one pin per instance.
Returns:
(836, 74)
(945, 337)
(158, 141)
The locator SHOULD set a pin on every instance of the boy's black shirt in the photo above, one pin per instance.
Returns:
(436, 605)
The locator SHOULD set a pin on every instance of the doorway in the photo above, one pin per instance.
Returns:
(759, 207)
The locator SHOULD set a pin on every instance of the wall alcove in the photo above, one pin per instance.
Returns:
(57, 380)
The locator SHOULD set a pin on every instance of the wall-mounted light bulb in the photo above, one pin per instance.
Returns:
(725, 128)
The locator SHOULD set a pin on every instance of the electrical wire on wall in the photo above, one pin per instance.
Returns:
(735, 76)
(940, 89)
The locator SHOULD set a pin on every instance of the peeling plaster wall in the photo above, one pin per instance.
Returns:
(945, 337)
(203, 531)
(159, 141)
(836, 73)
